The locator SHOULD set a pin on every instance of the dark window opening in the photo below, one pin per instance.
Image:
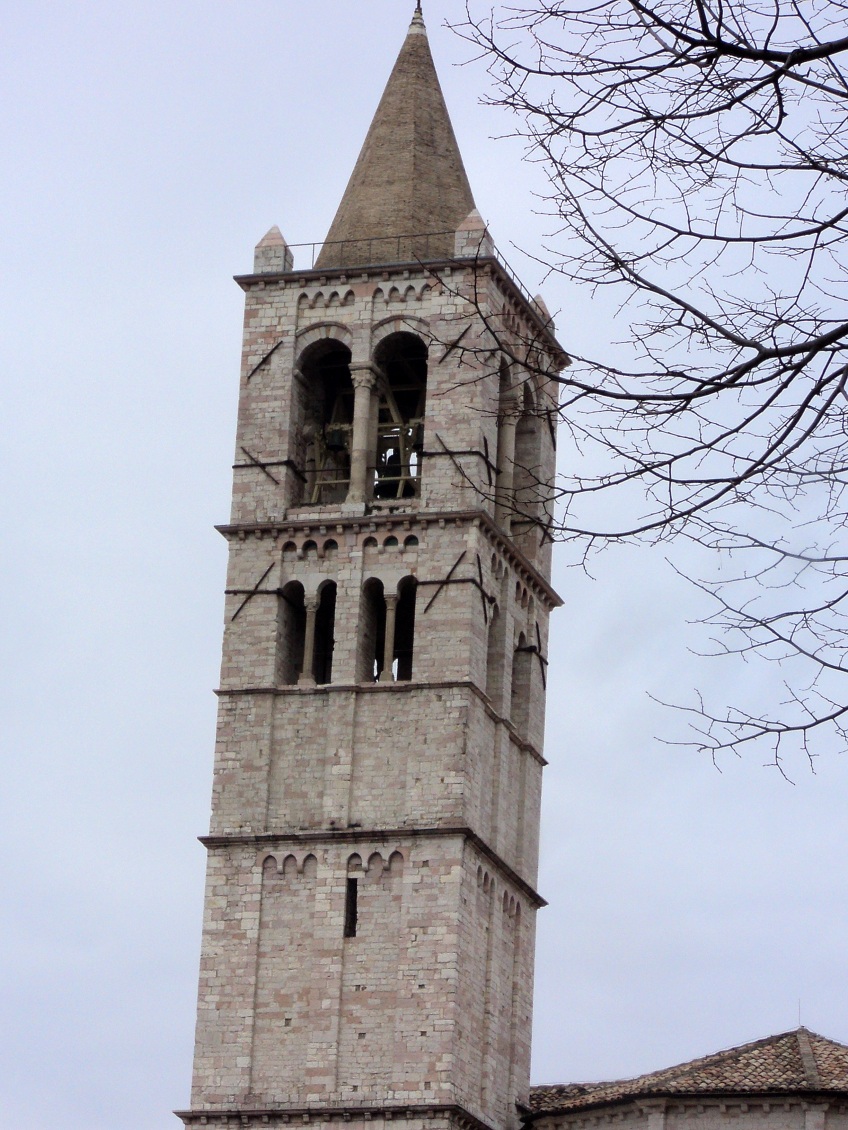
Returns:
(521, 679)
(405, 628)
(372, 632)
(325, 622)
(495, 658)
(528, 486)
(400, 421)
(328, 422)
(291, 633)
(351, 910)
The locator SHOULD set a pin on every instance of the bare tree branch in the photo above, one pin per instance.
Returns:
(697, 160)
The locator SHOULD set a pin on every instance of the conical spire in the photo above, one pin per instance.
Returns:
(409, 179)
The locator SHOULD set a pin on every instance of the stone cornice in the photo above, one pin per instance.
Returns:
(434, 268)
(612, 1108)
(377, 835)
(263, 1116)
(338, 523)
(403, 687)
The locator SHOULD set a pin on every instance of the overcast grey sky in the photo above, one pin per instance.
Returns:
(146, 148)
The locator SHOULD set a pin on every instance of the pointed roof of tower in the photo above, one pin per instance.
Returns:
(409, 179)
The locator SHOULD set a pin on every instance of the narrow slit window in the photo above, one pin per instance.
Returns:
(291, 633)
(372, 632)
(325, 620)
(405, 629)
(351, 911)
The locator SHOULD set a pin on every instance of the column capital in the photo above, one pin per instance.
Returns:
(365, 374)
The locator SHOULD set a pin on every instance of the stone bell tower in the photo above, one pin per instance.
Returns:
(370, 901)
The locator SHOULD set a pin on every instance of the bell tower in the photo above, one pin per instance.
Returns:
(369, 916)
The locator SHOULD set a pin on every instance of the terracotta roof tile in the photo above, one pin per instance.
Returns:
(793, 1061)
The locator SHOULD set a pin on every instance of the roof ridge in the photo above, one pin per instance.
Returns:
(795, 1062)
(808, 1059)
(805, 1048)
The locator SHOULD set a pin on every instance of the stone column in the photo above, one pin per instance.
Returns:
(306, 676)
(389, 640)
(364, 378)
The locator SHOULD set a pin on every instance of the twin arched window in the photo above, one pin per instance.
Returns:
(323, 421)
(306, 633)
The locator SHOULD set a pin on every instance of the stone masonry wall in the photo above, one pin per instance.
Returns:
(422, 793)
(284, 317)
(293, 1014)
(709, 1112)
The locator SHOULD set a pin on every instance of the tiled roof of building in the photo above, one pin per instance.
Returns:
(793, 1061)
(409, 178)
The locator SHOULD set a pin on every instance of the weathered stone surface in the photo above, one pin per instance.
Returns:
(409, 180)
(370, 904)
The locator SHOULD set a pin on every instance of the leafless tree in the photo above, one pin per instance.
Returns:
(697, 157)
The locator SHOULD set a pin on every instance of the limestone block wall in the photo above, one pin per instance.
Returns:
(470, 596)
(728, 1111)
(436, 750)
(293, 1013)
(306, 761)
(497, 932)
(448, 311)
(379, 1118)
(224, 1033)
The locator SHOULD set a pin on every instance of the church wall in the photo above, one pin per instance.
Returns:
(630, 1116)
(739, 1111)
(378, 1119)
(327, 751)
(737, 1115)
(292, 1013)
(447, 559)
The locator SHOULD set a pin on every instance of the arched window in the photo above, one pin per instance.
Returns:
(325, 622)
(495, 658)
(372, 632)
(528, 487)
(326, 421)
(405, 628)
(509, 399)
(402, 358)
(291, 633)
(519, 712)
